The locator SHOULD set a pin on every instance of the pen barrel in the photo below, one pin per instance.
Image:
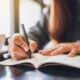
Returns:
(29, 53)
(26, 39)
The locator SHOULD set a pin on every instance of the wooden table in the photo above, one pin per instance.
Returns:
(50, 73)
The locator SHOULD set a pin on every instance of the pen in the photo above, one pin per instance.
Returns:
(26, 40)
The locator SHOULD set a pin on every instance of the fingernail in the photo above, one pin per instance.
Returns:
(26, 49)
(40, 51)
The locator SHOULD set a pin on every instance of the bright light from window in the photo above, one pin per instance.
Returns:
(46, 2)
(5, 17)
(30, 13)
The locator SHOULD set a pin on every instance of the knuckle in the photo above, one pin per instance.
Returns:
(16, 37)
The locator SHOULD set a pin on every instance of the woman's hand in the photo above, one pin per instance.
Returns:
(71, 48)
(18, 47)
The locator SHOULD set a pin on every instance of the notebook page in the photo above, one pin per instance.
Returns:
(64, 59)
(36, 61)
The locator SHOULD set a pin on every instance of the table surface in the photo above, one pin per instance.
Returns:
(48, 73)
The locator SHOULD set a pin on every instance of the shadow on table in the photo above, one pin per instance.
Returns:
(24, 68)
(61, 71)
(2, 71)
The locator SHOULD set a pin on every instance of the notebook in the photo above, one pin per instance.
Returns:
(39, 60)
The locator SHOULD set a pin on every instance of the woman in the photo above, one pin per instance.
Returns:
(63, 28)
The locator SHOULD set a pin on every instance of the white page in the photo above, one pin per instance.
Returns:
(65, 60)
(36, 60)
(40, 60)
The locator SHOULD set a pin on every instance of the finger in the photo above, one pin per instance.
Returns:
(47, 52)
(17, 57)
(72, 53)
(60, 50)
(19, 40)
(33, 46)
(18, 53)
(22, 44)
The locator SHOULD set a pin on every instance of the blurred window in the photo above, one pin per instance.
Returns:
(29, 13)
(5, 17)
(46, 2)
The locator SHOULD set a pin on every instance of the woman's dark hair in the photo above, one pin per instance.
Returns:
(65, 18)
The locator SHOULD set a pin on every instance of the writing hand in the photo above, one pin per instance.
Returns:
(18, 47)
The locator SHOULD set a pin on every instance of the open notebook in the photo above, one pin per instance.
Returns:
(43, 61)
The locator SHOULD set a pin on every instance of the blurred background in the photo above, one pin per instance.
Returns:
(13, 13)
